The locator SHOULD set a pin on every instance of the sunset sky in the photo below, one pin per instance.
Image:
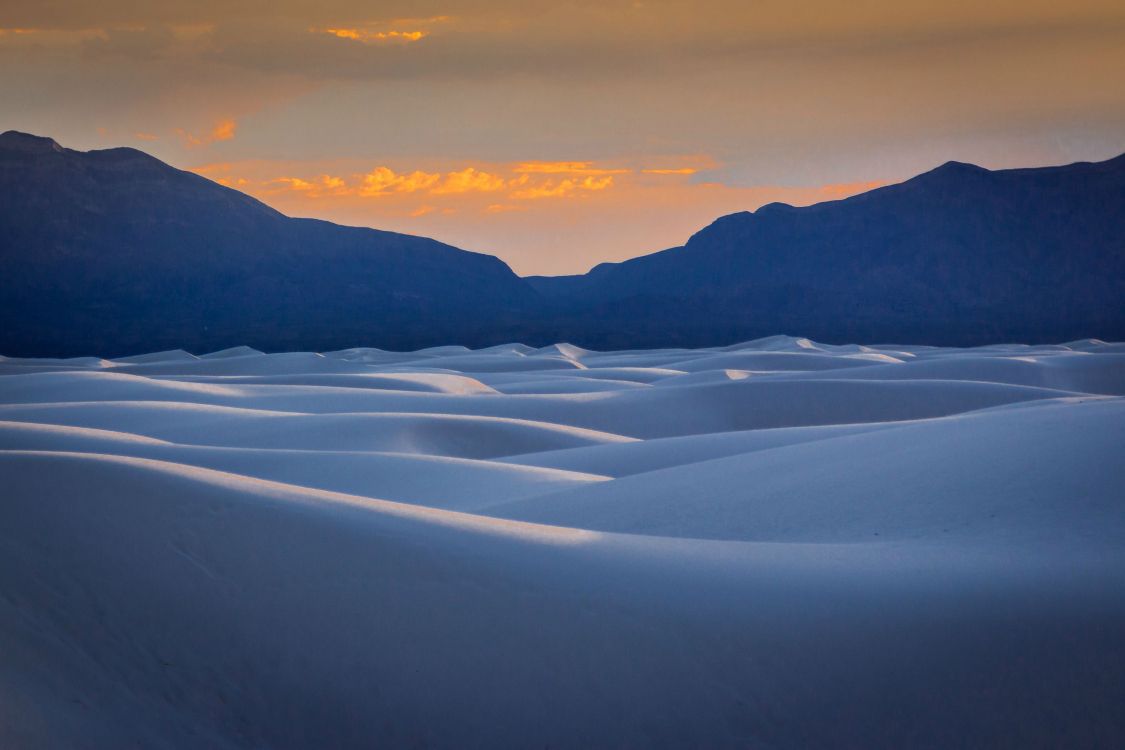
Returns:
(557, 135)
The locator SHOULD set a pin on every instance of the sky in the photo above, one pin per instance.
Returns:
(558, 135)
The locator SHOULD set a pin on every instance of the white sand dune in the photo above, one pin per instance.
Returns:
(438, 481)
(777, 544)
(919, 480)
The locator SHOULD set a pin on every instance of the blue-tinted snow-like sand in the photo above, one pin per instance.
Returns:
(774, 544)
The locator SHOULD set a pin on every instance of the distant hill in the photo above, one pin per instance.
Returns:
(959, 255)
(115, 252)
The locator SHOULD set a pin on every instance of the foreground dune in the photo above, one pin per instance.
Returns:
(774, 544)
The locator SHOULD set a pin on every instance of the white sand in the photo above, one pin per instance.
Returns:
(777, 544)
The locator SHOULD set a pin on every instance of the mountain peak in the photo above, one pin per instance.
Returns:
(958, 167)
(775, 207)
(949, 174)
(14, 140)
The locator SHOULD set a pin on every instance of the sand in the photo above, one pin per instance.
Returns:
(777, 544)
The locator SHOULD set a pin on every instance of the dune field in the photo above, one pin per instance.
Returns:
(776, 544)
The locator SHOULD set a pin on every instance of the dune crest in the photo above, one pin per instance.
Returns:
(519, 547)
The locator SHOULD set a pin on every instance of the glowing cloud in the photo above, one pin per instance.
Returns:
(469, 180)
(223, 130)
(563, 188)
(367, 36)
(401, 30)
(508, 204)
(315, 188)
(383, 180)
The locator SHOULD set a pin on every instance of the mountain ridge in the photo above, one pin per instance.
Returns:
(955, 255)
(113, 251)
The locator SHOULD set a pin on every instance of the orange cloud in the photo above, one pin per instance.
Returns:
(469, 180)
(223, 130)
(538, 221)
(383, 180)
(520, 182)
(146, 137)
(563, 188)
(402, 30)
(315, 188)
(367, 36)
(564, 167)
(473, 188)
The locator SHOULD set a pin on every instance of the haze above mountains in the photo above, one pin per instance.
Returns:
(114, 252)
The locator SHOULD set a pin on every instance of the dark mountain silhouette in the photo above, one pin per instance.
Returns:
(113, 252)
(959, 255)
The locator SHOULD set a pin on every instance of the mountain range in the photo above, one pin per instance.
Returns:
(115, 252)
